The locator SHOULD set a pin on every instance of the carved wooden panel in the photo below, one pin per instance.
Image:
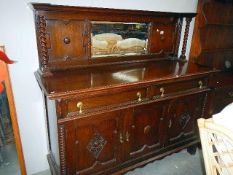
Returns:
(162, 38)
(183, 113)
(67, 40)
(92, 143)
(96, 144)
(145, 128)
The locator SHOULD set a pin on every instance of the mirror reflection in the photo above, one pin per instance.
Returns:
(118, 39)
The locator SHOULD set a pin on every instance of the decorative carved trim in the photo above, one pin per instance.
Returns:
(186, 33)
(87, 34)
(61, 137)
(96, 145)
(204, 106)
(41, 27)
(178, 33)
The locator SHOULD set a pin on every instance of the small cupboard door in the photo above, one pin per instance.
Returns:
(183, 113)
(145, 130)
(91, 143)
(66, 42)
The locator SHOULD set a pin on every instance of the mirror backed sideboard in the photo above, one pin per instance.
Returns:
(117, 94)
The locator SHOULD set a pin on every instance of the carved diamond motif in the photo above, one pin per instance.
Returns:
(96, 144)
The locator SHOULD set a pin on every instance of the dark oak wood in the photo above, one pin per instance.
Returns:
(111, 115)
(212, 46)
(183, 113)
(130, 130)
(64, 35)
(144, 129)
(213, 34)
(222, 83)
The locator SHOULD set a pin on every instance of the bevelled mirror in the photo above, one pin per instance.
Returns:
(118, 39)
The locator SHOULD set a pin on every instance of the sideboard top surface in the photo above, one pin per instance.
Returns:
(64, 83)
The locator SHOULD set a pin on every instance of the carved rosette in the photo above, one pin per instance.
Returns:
(186, 33)
(62, 149)
(41, 27)
(96, 145)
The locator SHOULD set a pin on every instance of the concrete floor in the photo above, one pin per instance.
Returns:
(181, 163)
(10, 165)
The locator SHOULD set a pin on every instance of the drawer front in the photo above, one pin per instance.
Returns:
(222, 79)
(83, 105)
(163, 90)
(222, 98)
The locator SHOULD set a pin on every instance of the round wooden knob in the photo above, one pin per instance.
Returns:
(66, 40)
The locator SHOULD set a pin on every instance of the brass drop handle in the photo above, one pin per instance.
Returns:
(80, 106)
(127, 135)
(170, 123)
(139, 95)
(147, 129)
(230, 94)
(162, 90)
(121, 138)
(200, 83)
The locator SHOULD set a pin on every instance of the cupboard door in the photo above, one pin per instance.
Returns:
(66, 42)
(91, 143)
(145, 130)
(222, 97)
(182, 117)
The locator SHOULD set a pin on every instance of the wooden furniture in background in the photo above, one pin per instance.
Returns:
(112, 114)
(5, 75)
(212, 46)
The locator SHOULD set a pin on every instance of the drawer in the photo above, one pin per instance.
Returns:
(223, 79)
(222, 97)
(82, 105)
(163, 90)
